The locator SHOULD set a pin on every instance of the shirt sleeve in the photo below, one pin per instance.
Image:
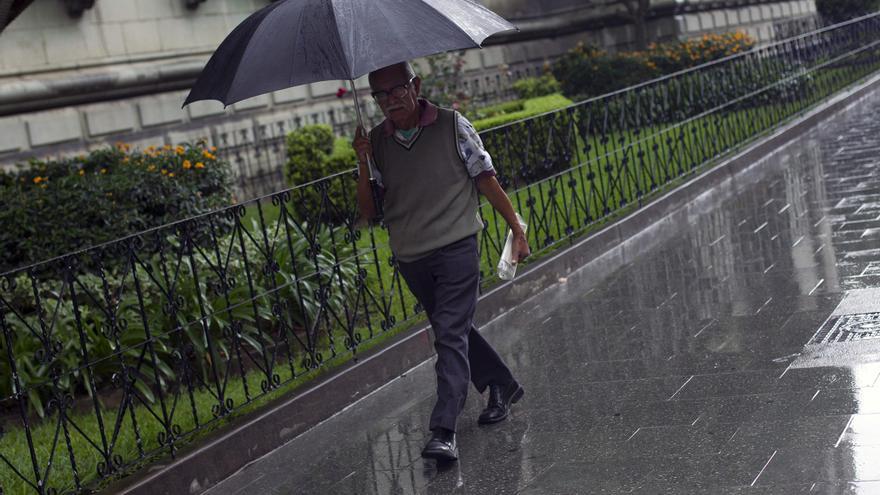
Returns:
(470, 147)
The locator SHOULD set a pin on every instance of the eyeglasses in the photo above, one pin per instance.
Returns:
(397, 91)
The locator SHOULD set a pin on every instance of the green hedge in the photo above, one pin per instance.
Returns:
(841, 10)
(586, 71)
(533, 87)
(313, 152)
(495, 110)
(50, 208)
(522, 109)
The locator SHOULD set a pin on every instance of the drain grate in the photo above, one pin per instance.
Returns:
(847, 328)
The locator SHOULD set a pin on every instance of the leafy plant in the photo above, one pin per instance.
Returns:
(841, 10)
(527, 108)
(98, 333)
(533, 87)
(672, 57)
(495, 110)
(49, 208)
(49, 351)
(586, 71)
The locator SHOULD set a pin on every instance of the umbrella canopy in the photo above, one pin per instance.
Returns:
(10, 9)
(293, 42)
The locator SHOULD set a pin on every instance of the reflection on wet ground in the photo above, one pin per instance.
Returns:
(687, 371)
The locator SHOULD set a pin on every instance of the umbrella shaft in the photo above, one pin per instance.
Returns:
(360, 117)
(374, 185)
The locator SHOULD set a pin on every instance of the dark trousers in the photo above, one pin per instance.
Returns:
(446, 283)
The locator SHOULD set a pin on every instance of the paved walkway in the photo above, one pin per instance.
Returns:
(725, 361)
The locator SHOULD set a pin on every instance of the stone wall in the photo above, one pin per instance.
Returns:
(45, 37)
(131, 39)
(114, 32)
(758, 20)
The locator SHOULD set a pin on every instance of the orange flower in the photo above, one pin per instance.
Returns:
(171, 174)
(38, 179)
(180, 150)
(187, 164)
(82, 172)
(200, 165)
(207, 155)
(213, 149)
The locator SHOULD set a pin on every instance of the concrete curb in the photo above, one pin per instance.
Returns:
(197, 468)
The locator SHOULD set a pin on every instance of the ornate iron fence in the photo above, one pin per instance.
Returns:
(117, 354)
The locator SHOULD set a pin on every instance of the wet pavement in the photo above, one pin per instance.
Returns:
(738, 357)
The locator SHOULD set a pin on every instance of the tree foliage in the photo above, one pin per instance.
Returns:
(841, 10)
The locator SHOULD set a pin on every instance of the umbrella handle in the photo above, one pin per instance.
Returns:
(377, 200)
(374, 184)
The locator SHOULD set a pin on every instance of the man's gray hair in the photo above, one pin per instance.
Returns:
(404, 67)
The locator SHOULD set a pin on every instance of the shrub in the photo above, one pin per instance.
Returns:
(495, 110)
(533, 87)
(530, 150)
(314, 153)
(672, 57)
(50, 208)
(841, 10)
(529, 108)
(586, 71)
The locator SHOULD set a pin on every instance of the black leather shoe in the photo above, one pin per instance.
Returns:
(500, 399)
(441, 446)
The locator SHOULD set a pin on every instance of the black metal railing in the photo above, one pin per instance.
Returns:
(122, 352)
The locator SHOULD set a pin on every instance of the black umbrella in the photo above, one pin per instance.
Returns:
(10, 9)
(294, 42)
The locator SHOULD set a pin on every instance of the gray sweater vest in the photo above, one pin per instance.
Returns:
(430, 199)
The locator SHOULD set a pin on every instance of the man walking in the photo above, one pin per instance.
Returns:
(431, 166)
